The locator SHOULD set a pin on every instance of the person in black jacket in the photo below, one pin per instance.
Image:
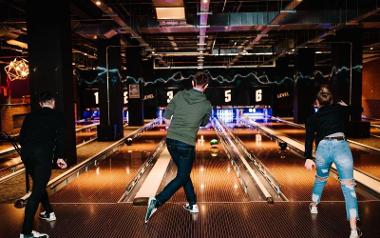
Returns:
(41, 140)
(328, 126)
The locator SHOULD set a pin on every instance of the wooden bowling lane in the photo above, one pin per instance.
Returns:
(224, 220)
(107, 182)
(295, 181)
(367, 161)
(213, 177)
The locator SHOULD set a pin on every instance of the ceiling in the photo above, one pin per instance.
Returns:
(209, 33)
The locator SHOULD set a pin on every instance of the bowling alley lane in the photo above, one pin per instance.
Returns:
(288, 169)
(108, 181)
(367, 161)
(10, 161)
(213, 177)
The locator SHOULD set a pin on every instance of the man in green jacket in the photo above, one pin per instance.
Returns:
(188, 110)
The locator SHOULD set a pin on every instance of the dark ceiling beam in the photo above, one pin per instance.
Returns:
(125, 27)
(265, 30)
(354, 21)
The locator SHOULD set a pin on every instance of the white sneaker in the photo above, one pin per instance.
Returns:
(34, 235)
(151, 209)
(313, 209)
(191, 208)
(356, 233)
(48, 217)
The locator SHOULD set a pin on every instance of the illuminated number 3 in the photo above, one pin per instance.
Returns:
(227, 95)
(125, 97)
(170, 96)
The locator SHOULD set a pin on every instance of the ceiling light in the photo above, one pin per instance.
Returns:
(98, 3)
(18, 43)
(170, 13)
(371, 48)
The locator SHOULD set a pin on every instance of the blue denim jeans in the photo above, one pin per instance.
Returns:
(339, 153)
(183, 156)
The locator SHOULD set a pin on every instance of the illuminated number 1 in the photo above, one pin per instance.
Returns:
(170, 96)
(125, 97)
(259, 95)
(96, 94)
(227, 95)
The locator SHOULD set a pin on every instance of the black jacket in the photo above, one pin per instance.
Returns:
(328, 120)
(42, 132)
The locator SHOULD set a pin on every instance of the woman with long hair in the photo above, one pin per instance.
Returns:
(327, 125)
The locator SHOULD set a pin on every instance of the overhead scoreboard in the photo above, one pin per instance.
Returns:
(218, 96)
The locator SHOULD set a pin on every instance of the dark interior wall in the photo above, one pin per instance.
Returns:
(371, 89)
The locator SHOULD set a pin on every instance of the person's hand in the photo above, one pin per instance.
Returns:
(342, 103)
(309, 164)
(61, 164)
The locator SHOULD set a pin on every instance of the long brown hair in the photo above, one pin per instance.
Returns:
(324, 95)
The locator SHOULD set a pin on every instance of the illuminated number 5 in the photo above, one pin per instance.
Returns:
(259, 95)
(170, 96)
(125, 97)
(96, 94)
(227, 95)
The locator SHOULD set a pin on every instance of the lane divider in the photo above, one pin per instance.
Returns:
(368, 147)
(154, 179)
(362, 178)
(262, 188)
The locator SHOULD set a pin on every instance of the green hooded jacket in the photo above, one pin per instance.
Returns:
(188, 110)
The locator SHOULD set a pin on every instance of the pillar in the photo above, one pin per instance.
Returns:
(110, 90)
(135, 90)
(303, 91)
(347, 78)
(49, 54)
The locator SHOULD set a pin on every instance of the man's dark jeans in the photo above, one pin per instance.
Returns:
(38, 166)
(183, 156)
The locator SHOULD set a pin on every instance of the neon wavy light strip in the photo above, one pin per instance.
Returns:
(178, 76)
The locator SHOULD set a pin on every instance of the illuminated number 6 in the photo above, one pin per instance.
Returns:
(259, 95)
(227, 95)
(170, 96)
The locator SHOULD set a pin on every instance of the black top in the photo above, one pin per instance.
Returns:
(328, 120)
(43, 129)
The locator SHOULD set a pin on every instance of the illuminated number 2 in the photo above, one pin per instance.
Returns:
(96, 94)
(125, 97)
(227, 95)
(170, 96)
(259, 95)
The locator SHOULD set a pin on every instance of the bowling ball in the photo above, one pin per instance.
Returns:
(129, 141)
(214, 151)
(214, 142)
(282, 145)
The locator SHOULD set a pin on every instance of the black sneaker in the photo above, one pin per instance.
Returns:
(35, 234)
(191, 208)
(47, 216)
(151, 208)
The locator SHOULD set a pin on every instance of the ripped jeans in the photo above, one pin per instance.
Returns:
(339, 153)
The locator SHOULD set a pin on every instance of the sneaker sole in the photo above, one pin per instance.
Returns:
(48, 219)
(192, 212)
